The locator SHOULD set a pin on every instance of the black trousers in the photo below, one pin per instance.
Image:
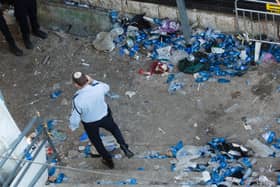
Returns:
(25, 9)
(107, 123)
(5, 30)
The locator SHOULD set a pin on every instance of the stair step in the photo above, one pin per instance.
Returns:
(123, 164)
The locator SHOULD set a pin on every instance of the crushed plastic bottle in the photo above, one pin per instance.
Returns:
(51, 124)
(60, 178)
(87, 150)
(269, 136)
(112, 95)
(175, 86)
(222, 80)
(56, 94)
(176, 148)
(114, 15)
(27, 155)
(83, 137)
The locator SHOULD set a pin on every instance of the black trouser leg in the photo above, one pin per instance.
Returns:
(92, 130)
(110, 125)
(5, 30)
(32, 12)
(21, 13)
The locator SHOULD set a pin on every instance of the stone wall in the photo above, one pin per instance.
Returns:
(97, 18)
(223, 22)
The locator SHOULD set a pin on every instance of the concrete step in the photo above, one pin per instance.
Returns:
(155, 171)
(123, 164)
(146, 177)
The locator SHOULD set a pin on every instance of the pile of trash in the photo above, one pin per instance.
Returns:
(220, 162)
(209, 54)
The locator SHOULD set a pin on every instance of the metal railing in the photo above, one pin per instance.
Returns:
(42, 136)
(262, 23)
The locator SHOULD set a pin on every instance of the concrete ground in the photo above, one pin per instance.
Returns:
(152, 119)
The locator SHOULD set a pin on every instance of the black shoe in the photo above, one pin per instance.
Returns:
(126, 151)
(15, 50)
(94, 155)
(41, 34)
(28, 44)
(109, 163)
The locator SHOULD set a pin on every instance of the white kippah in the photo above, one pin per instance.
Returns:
(77, 75)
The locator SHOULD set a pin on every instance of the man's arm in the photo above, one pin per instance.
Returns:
(106, 87)
(75, 118)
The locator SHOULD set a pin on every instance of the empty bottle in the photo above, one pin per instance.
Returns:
(56, 94)
(269, 136)
(59, 178)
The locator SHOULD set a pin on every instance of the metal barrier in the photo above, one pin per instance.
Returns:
(262, 23)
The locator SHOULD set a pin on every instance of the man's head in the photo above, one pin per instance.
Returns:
(79, 79)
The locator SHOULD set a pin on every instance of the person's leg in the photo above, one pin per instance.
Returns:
(8, 36)
(110, 125)
(32, 13)
(21, 16)
(94, 136)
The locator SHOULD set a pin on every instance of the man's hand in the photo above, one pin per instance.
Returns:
(90, 80)
(278, 2)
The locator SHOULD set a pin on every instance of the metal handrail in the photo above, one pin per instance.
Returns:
(258, 22)
(18, 140)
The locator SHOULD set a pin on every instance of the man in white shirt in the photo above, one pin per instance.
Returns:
(90, 108)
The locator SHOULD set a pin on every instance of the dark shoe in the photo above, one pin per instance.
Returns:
(94, 155)
(109, 163)
(40, 34)
(126, 151)
(15, 50)
(28, 44)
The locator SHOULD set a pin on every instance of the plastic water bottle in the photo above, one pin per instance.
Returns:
(170, 78)
(51, 123)
(27, 155)
(278, 180)
(83, 137)
(114, 15)
(56, 94)
(174, 86)
(246, 162)
(87, 150)
(221, 80)
(269, 136)
(117, 156)
(59, 178)
(131, 181)
(123, 51)
(157, 21)
(246, 175)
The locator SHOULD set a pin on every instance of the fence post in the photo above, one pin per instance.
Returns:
(184, 19)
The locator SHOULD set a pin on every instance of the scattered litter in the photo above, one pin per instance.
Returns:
(112, 95)
(85, 64)
(56, 94)
(232, 108)
(131, 181)
(58, 135)
(265, 181)
(117, 156)
(259, 148)
(81, 148)
(162, 131)
(269, 136)
(141, 169)
(130, 94)
(46, 60)
(84, 137)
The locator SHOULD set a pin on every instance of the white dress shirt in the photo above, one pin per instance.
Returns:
(88, 104)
